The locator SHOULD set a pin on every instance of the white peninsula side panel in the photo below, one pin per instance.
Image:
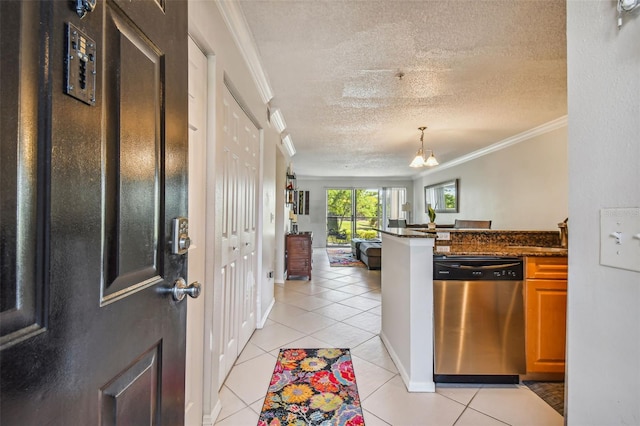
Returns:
(407, 308)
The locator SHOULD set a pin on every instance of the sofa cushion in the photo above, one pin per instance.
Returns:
(355, 245)
(371, 249)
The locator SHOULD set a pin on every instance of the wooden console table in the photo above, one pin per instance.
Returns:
(298, 254)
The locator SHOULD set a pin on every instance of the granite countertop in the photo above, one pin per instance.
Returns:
(479, 231)
(505, 245)
(406, 233)
(499, 250)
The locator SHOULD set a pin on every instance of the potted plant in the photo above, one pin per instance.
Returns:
(432, 217)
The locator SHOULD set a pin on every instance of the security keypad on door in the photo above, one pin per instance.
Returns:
(80, 66)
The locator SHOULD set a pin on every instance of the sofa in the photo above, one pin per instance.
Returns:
(371, 254)
(355, 245)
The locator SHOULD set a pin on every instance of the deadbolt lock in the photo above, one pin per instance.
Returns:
(180, 240)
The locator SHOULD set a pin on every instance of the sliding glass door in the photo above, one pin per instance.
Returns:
(352, 212)
(367, 213)
(339, 214)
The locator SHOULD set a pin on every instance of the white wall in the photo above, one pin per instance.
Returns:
(281, 216)
(269, 240)
(317, 220)
(208, 29)
(521, 187)
(603, 366)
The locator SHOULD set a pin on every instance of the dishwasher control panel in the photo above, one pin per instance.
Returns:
(478, 268)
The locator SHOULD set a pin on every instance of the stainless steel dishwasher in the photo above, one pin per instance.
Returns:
(478, 319)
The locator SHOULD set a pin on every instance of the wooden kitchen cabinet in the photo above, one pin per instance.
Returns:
(546, 314)
(298, 254)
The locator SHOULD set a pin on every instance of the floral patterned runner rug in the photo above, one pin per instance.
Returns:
(343, 257)
(312, 387)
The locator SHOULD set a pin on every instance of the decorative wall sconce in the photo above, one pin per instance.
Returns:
(278, 120)
(288, 145)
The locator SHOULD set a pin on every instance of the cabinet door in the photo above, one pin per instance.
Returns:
(546, 325)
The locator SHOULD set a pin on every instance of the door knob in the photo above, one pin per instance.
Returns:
(181, 289)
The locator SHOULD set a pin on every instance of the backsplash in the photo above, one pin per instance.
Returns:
(497, 237)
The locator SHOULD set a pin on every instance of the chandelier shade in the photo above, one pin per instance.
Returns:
(420, 160)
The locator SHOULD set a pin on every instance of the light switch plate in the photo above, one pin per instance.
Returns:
(620, 238)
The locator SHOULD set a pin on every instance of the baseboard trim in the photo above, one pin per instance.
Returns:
(265, 317)
(210, 419)
(412, 386)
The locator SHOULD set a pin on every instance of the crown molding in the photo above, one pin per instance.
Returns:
(348, 181)
(237, 25)
(505, 143)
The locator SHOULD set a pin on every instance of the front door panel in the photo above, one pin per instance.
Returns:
(87, 197)
(134, 78)
(132, 397)
(22, 284)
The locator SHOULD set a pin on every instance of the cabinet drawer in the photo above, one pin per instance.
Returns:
(298, 262)
(299, 244)
(549, 268)
(299, 248)
(299, 268)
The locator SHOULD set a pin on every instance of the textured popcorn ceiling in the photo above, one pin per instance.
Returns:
(475, 72)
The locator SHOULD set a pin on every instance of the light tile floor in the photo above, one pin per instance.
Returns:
(340, 307)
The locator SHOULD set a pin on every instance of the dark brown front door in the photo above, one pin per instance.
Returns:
(92, 171)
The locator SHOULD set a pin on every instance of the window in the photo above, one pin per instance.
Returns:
(392, 201)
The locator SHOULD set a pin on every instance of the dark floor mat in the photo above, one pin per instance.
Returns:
(551, 392)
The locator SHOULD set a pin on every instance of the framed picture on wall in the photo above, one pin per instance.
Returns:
(442, 197)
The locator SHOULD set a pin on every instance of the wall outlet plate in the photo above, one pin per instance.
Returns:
(620, 238)
(443, 235)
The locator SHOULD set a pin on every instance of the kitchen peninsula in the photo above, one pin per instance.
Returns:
(407, 305)
(408, 286)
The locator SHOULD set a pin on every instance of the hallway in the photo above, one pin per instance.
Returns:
(340, 307)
